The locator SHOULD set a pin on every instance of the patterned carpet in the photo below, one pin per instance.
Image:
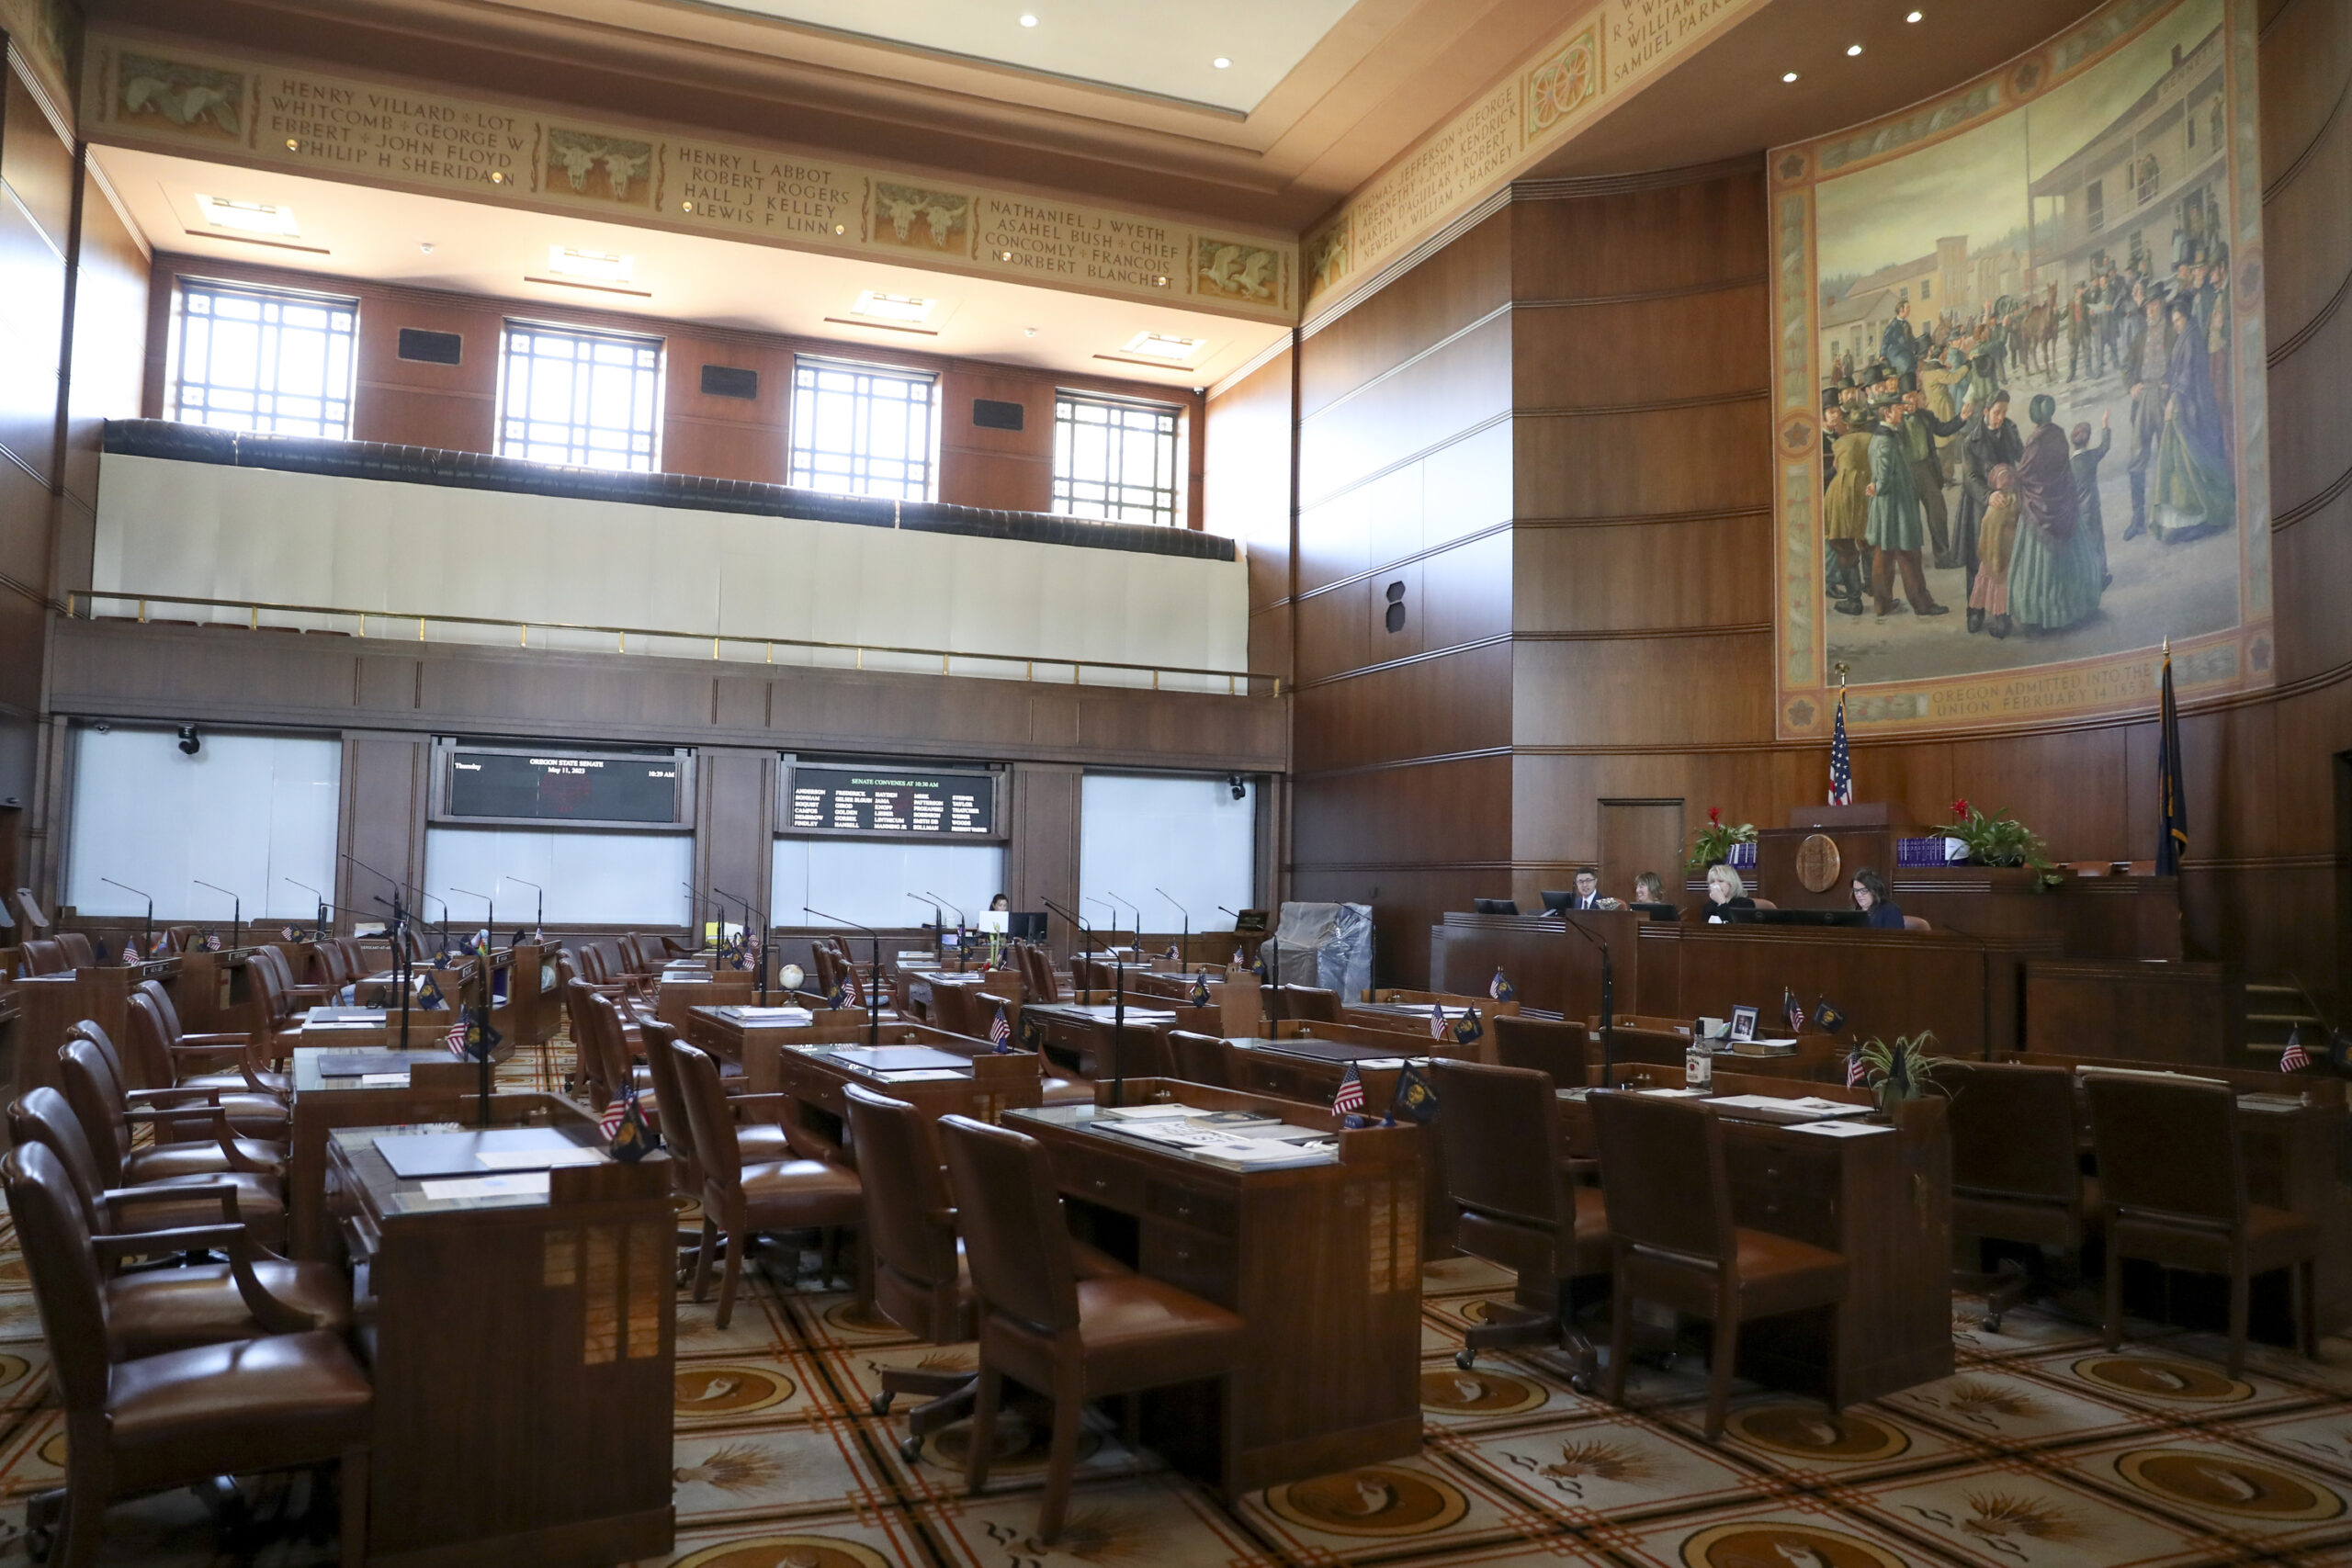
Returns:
(2042, 1451)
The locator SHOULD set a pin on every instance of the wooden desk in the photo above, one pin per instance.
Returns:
(1884, 1202)
(1080, 1035)
(524, 1357)
(322, 1104)
(1323, 1262)
(2183, 1014)
(54, 1003)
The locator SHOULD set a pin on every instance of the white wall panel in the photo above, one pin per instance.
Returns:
(210, 531)
(247, 813)
(870, 880)
(1141, 833)
(591, 876)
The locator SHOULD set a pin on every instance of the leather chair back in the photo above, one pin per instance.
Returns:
(64, 1266)
(594, 968)
(1500, 1138)
(147, 1043)
(602, 1047)
(950, 1010)
(670, 1103)
(1541, 1045)
(1315, 1004)
(43, 1116)
(77, 948)
(2013, 1130)
(95, 1093)
(1037, 972)
(1201, 1059)
(2167, 1147)
(43, 957)
(1015, 1239)
(272, 979)
(159, 995)
(710, 1120)
(1663, 1174)
(910, 1218)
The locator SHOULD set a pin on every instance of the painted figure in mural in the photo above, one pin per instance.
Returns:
(1921, 430)
(2147, 419)
(1845, 509)
(1899, 346)
(2054, 571)
(2086, 507)
(2217, 343)
(1988, 597)
(2195, 490)
(1896, 528)
(1991, 441)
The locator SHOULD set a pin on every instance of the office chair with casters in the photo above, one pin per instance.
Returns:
(1202, 1058)
(758, 1142)
(153, 1310)
(920, 1281)
(137, 1423)
(744, 1193)
(1677, 1243)
(2172, 1191)
(1050, 1328)
(1519, 1203)
(2015, 1167)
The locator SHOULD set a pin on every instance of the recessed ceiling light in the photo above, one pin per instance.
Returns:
(425, 246)
(247, 217)
(601, 266)
(1221, 63)
(1028, 332)
(1027, 20)
(1914, 15)
(892, 307)
(1163, 345)
(1788, 75)
(1852, 49)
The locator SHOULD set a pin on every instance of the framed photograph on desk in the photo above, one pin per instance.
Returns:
(1743, 1023)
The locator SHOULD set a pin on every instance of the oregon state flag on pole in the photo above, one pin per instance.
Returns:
(2174, 841)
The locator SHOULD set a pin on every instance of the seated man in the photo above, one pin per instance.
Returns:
(1588, 894)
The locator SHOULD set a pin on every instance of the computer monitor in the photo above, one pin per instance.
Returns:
(1797, 917)
(1496, 907)
(1556, 902)
(1657, 911)
(1024, 925)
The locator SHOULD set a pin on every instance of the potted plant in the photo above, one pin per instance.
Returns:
(1999, 839)
(1901, 1072)
(1714, 841)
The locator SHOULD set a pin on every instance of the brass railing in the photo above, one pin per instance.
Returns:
(83, 605)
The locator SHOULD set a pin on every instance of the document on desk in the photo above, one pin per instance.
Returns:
(1115, 1113)
(768, 1015)
(2273, 1103)
(1842, 1129)
(383, 1080)
(923, 1075)
(533, 1184)
(1772, 1108)
(511, 1159)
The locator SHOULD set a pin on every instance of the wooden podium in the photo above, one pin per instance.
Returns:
(1811, 863)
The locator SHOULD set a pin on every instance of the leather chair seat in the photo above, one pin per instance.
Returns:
(279, 1084)
(260, 1207)
(234, 1408)
(1134, 1333)
(801, 1194)
(1775, 1274)
(762, 1142)
(261, 1117)
(2274, 1239)
(178, 1309)
(2015, 1218)
(1069, 1092)
(185, 1162)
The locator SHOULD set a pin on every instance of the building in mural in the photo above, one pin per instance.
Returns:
(2020, 388)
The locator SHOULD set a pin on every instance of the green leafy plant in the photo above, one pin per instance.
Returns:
(1713, 842)
(1999, 839)
(1905, 1071)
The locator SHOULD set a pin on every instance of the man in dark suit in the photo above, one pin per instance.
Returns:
(1588, 894)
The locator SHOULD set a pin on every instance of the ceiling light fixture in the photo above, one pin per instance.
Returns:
(1788, 75)
(1853, 49)
(247, 217)
(893, 307)
(1914, 15)
(425, 246)
(1163, 345)
(600, 267)
(1221, 63)
(1027, 20)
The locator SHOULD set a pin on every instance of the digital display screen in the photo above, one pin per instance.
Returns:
(557, 786)
(892, 800)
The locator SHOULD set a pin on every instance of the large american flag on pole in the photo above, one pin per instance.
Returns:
(1841, 763)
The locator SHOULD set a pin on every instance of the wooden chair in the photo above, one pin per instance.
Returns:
(742, 1196)
(42, 956)
(920, 1280)
(603, 1051)
(1520, 1203)
(142, 1424)
(1202, 1058)
(2172, 1191)
(1675, 1242)
(2016, 1166)
(237, 1045)
(255, 1291)
(1312, 1004)
(1917, 923)
(1543, 1046)
(148, 1063)
(106, 1110)
(1049, 1329)
(76, 949)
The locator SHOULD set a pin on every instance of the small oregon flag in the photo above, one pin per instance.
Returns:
(1500, 987)
(1415, 1100)
(1199, 996)
(429, 995)
(1468, 1027)
(1825, 1013)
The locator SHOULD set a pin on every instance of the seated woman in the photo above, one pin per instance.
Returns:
(1724, 891)
(1650, 888)
(999, 902)
(1870, 897)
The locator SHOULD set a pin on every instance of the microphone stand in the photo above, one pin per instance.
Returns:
(872, 997)
(962, 946)
(323, 905)
(938, 920)
(1608, 1002)
(236, 906)
(482, 977)
(147, 934)
(1118, 1003)
(404, 974)
(1185, 952)
(539, 916)
(1136, 910)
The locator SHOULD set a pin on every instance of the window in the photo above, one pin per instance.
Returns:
(584, 398)
(865, 429)
(1927, 289)
(2095, 206)
(267, 360)
(2149, 178)
(1114, 460)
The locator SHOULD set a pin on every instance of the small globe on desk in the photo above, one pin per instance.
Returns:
(790, 976)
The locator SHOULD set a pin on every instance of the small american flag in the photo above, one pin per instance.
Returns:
(1239, 961)
(455, 1038)
(288, 933)
(1437, 1020)
(1857, 1075)
(2297, 1057)
(1841, 763)
(1791, 1009)
(614, 1114)
(1351, 1096)
(1000, 1034)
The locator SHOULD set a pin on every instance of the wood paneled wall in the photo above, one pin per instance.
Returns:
(1553, 433)
(455, 406)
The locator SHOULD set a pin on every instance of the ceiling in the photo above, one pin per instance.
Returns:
(358, 232)
(1224, 54)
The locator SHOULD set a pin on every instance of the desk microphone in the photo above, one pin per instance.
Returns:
(1185, 952)
(962, 947)
(236, 906)
(147, 939)
(539, 916)
(1118, 1002)
(873, 996)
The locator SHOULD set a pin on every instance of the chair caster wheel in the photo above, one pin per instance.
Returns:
(1991, 1324)
(1585, 1384)
(911, 1449)
(38, 1544)
(1465, 1358)
(881, 1404)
